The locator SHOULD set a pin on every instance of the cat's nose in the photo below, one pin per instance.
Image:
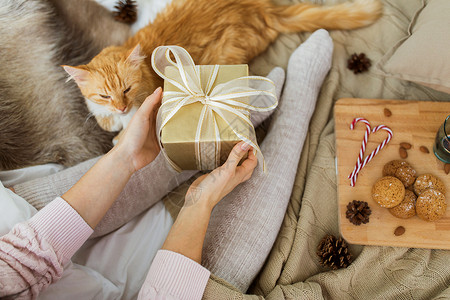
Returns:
(122, 109)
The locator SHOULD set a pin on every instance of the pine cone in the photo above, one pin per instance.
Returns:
(126, 11)
(358, 63)
(334, 252)
(358, 212)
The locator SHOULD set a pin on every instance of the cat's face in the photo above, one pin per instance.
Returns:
(111, 81)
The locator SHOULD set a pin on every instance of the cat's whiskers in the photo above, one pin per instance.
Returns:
(90, 115)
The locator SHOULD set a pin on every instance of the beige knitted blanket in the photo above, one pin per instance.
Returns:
(292, 270)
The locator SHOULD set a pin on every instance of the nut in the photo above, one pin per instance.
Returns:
(405, 145)
(447, 168)
(424, 149)
(399, 230)
(402, 152)
(387, 112)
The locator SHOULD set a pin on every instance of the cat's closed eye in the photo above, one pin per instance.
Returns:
(105, 96)
(127, 90)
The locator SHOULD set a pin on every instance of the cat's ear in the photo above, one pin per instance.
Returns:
(135, 58)
(80, 75)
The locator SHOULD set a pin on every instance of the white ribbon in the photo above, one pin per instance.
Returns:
(230, 101)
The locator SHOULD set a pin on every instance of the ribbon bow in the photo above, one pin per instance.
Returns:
(230, 101)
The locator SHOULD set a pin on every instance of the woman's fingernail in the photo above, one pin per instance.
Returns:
(157, 90)
(245, 146)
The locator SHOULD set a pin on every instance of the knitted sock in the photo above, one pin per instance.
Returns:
(245, 224)
(145, 187)
(277, 76)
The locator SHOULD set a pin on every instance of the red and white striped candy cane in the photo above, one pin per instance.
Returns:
(359, 165)
(360, 157)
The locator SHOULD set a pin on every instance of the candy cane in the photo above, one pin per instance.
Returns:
(360, 157)
(366, 136)
(361, 163)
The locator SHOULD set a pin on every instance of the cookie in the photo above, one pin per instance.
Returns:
(431, 205)
(392, 166)
(407, 208)
(388, 191)
(427, 181)
(406, 174)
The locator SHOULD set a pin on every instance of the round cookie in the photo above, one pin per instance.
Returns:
(388, 191)
(406, 174)
(427, 181)
(392, 166)
(407, 208)
(431, 205)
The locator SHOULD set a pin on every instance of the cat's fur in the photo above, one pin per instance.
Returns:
(213, 32)
(43, 118)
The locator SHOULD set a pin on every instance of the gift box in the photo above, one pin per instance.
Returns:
(205, 109)
(178, 135)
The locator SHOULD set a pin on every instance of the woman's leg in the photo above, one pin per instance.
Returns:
(145, 188)
(245, 224)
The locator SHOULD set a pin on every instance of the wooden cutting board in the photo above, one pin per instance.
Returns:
(415, 122)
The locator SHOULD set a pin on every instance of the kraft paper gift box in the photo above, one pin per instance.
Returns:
(205, 109)
(178, 135)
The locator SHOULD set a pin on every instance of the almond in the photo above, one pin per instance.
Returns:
(406, 145)
(399, 230)
(424, 149)
(447, 168)
(387, 112)
(402, 152)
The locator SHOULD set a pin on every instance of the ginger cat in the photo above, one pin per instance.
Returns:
(118, 79)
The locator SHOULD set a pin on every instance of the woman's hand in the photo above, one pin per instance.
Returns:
(95, 192)
(188, 232)
(210, 188)
(138, 143)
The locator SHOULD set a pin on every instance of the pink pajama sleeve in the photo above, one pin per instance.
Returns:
(33, 253)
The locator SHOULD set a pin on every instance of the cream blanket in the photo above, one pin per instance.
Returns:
(292, 270)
